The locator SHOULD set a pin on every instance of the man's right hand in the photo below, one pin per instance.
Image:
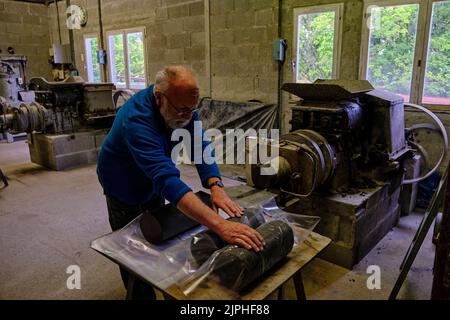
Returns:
(232, 232)
(241, 235)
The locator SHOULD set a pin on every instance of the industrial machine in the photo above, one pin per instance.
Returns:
(13, 81)
(65, 121)
(344, 160)
(61, 107)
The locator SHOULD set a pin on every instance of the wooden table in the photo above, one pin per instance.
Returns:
(270, 282)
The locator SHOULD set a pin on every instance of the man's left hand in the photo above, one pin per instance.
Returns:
(220, 200)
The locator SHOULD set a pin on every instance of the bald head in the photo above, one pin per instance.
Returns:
(177, 80)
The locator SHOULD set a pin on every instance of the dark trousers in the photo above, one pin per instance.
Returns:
(120, 214)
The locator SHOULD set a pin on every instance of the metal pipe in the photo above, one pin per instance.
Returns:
(208, 47)
(72, 48)
(280, 67)
(57, 18)
(101, 46)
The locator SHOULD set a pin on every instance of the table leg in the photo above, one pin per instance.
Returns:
(130, 286)
(298, 284)
(281, 292)
(3, 178)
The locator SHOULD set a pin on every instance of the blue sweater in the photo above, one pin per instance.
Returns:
(134, 163)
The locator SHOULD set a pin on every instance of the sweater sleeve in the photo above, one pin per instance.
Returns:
(144, 143)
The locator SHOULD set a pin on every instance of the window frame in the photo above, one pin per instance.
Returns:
(420, 47)
(124, 33)
(89, 36)
(338, 9)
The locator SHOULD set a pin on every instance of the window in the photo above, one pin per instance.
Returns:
(405, 49)
(127, 58)
(317, 33)
(92, 65)
(436, 89)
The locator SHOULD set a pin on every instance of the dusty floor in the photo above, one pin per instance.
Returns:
(48, 218)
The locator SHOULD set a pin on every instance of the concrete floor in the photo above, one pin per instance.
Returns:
(48, 218)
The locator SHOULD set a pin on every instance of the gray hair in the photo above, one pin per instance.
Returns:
(165, 76)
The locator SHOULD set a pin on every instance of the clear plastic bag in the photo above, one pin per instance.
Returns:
(192, 259)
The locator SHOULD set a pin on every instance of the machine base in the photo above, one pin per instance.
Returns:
(63, 151)
(355, 222)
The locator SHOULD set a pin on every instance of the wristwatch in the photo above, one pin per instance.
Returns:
(218, 183)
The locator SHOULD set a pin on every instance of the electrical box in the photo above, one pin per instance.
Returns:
(101, 56)
(61, 53)
(279, 50)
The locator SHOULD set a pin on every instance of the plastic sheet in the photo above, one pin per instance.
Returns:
(184, 262)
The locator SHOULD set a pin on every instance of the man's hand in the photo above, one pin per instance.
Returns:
(241, 235)
(220, 200)
(232, 232)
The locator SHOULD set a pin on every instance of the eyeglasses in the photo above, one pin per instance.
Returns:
(181, 111)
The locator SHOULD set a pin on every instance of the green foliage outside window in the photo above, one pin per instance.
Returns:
(315, 51)
(94, 59)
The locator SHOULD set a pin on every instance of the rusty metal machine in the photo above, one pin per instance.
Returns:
(65, 121)
(61, 107)
(343, 160)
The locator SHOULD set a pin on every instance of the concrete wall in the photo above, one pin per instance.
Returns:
(233, 61)
(241, 58)
(24, 26)
(230, 49)
(174, 31)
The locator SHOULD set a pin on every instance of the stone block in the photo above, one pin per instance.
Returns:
(219, 83)
(222, 38)
(218, 23)
(218, 7)
(156, 54)
(6, 17)
(157, 40)
(161, 14)
(198, 38)
(250, 35)
(240, 19)
(175, 55)
(242, 5)
(355, 223)
(30, 19)
(178, 11)
(197, 8)
(195, 23)
(198, 67)
(263, 4)
(170, 26)
(63, 151)
(37, 30)
(222, 69)
(42, 10)
(194, 53)
(242, 84)
(264, 17)
(16, 7)
(222, 54)
(38, 39)
(11, 38)
(179, 40)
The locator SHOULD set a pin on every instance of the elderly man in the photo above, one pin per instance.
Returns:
(136, 171)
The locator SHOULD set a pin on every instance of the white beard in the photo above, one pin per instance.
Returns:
(177, 124)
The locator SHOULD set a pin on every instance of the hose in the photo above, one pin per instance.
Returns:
(444, 137)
